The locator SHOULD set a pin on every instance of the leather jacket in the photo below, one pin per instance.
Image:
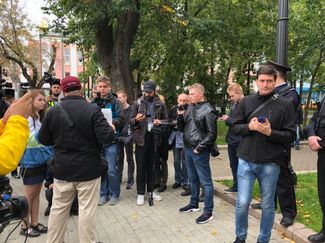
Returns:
(139, 129)
(199, 125)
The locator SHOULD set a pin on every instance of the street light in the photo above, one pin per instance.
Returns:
(282, 33)
(43, 27)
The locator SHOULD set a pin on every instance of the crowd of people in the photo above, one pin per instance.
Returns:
(78, 147)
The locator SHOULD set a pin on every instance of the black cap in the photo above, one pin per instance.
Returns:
(149, 86)
(279, 68)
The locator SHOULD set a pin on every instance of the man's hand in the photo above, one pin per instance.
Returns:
(140, 117)
(113, 127)
(224, 118)
(51, 186)
(21, 107)
(156, 122)
(253, 124)
(195, 151)
(180, 112)
(313, 143)
(264, 128)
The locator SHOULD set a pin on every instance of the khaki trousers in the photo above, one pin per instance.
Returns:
(63, 195)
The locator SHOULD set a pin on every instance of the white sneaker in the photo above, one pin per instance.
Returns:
(155, 196)
(140, 200)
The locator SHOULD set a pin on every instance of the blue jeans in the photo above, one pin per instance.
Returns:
(198, 169)
(110, 185)
(267, 176)
(180, 166)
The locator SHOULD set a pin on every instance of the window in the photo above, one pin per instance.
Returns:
(80, 58)
(67, 56)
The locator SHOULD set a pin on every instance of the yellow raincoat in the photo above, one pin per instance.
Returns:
(13, 140)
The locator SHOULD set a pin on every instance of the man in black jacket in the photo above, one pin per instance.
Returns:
(146, 116)
(267, 123)
(125, 142)
(77, 130)
(198, 123)
(235, 93)
(315, 132)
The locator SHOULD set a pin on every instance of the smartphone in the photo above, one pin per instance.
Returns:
(261, 119)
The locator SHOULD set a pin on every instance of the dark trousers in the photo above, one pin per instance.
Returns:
(162, 166)
(49, 198)
(233, 159)
(146, 158)
(285, 190)
(129, 158)
(321, 183)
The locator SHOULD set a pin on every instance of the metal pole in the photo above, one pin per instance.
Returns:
(62, 55)
(282, 34)
(40, 56)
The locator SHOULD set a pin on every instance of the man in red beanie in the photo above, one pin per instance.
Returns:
(77, 130)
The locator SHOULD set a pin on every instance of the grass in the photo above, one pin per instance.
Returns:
(309, 211)
(222, 131)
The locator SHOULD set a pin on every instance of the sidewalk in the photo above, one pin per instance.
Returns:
(127, 222)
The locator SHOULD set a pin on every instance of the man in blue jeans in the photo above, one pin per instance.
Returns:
(267, 123)
(110, 184)
(198, 124)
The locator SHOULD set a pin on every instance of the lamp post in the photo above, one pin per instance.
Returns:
(43, 27)
(282, 33)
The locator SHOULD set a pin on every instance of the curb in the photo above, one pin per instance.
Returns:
(296, 232)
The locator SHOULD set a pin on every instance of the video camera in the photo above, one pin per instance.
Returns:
(182, 107)
(11, 208)
(48, 78)
(6, 89)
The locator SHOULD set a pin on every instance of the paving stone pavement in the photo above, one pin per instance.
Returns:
(127, 222)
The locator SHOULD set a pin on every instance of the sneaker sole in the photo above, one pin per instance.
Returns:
(191, 210)
(206, 221)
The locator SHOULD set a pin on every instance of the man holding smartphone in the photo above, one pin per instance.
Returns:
(145, 120)
(267, 123)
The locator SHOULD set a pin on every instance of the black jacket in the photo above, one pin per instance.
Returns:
(77, 156)
(316, 126)
(257, 147)
(201, 132)
(231, 137)
(139, 128)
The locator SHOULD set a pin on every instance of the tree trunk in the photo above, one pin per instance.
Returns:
(113, 50)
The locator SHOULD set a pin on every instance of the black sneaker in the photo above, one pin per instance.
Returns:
(47, 211)
(130, 185)
(176, 185)
(239, 240)
(230, 190)
(162, 188)
(256, 205)
(186, 193)
(189, 208)
(204, 218)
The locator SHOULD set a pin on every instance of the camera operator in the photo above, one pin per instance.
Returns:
(3, 105)
(14, 133)
(145, 120)
(198, 124)
(55, 92)
(176, 139)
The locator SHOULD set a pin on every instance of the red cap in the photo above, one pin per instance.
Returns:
(70, 83)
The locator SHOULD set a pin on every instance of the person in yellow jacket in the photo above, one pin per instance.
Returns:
(14, 133)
